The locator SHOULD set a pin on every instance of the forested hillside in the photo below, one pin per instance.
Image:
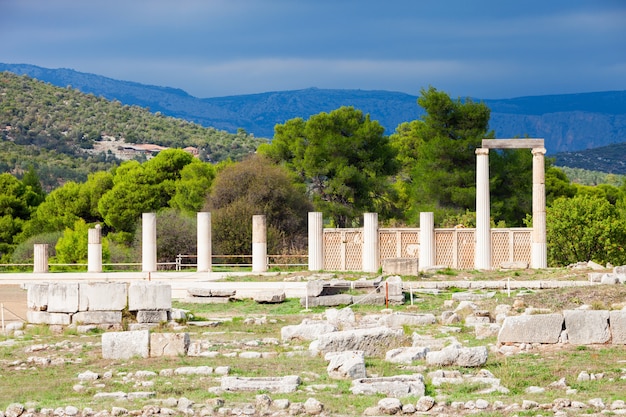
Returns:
(54, 129)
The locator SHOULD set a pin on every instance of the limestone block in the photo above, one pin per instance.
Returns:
(537, 328)
(37, 297)
(125, 345)
(44, 317)
(393, 286)
(327, 300)
(617, 323)
(586, 327)
(199, 292)
(169, 344)
(486, 330)
(269, 297)
(398, 386)
(97, 317)
(194, 370)
(407, 319)
(620, 272)
(307, 330)
(63, 297)
(372, 341)
(346, 365)
(342, 319)
(102, 296)
(401, 266)
(149, 296)
(378, 299)
(455, 356)
(406, 355)
(314, 288)
(281, 385)
(151, 316)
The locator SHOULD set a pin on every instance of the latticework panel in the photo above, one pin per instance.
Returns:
(332, 249)
(410, 241)
(388, 244)
(522, 245)
(466, 247)
(500, 247)
(354, 250)
(444, 242)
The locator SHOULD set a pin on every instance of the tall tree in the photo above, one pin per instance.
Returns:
(343, 157)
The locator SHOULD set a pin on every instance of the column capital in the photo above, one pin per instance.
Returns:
(482, 151)
(538, 151)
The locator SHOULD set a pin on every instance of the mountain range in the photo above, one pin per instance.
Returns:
(569, 123)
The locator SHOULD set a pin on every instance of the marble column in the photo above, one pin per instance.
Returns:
(40, 256)
(370, 242)
(539, 250)
(427, 240)
(316, 241)
(259, 243)
(94, 250)
(482, 259)
(205, 250)
(148, 242)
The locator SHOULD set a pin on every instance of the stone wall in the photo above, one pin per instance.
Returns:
(97, 303)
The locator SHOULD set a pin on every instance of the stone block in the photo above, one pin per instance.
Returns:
(102, 296)
(149, 296)
(373, 341)
(169, 344)
(406, 355)
(314, 288)
(269, 297)
(617, 323)
(398, 386)
(37, 297)
(282, 385)
(306, 330)
(586, 327)
(63, 297)
(126, 345)
(97, 317)
(151, 316)
(346, 365)
(406, 319)
(44, 317)
(538, 328)
(327, 301)
(393, 286)
(401, 266)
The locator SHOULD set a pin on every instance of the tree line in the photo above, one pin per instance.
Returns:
(340, 163)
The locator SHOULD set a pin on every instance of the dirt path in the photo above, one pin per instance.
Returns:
(13, 299)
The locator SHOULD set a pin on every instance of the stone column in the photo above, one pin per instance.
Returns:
(316, 241)
(370, 242)
(94, 250)
(482, 259)
(259, 243)
(148, 242)
(205, 251)
(40, 256)
(539, 250)
(427, 240)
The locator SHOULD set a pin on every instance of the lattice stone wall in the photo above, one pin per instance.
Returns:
(453, 247)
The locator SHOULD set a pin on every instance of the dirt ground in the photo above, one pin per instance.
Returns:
(13, 299)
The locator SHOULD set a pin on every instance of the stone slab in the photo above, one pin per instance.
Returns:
(102, 296)
(97, 317)
(149, 296)
(151, 316)
(126, 345)
(617, 323)
(393, 386)
(37, 297)
(401, 266)
(327, 301)
(169, 344)
(44, 317)
(281, 385)
(372, 341)
(587, 327)
(538, 328)
(63, 297)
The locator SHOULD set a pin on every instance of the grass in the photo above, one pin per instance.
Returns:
(52, 386)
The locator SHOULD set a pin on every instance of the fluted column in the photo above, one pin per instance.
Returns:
(40, 256)
(94, 250)
(427, 240)
(259, 243)
(370, 242)
(482, 258)
(205, 250)
(539, 250)
(316, 241)
(148, 242)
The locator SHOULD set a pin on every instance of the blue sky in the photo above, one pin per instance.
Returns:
(211, 48)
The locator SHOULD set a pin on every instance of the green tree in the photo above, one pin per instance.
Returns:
(193, 187)
(72, 247)
(257, 186)
(343, 157)
(584, 228)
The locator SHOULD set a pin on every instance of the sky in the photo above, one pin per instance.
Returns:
(213, 48)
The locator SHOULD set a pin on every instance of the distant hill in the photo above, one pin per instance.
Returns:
(568, 122)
